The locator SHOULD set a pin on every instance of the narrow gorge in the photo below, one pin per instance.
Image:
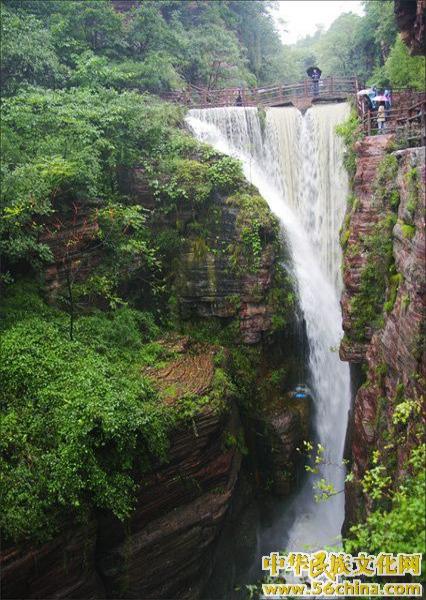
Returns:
(233, 484)
(296, 163)
(212, 297)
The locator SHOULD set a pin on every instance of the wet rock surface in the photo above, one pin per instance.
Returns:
(213, 273)
(210, 285)
(370, 152)
(62, 568)
(395, 354)
(168, 547)
(281, 429)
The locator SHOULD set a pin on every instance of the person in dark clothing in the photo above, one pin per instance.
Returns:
(369, 102)
(315, 78)
(315, 74)
(239, 100)
(388, 102)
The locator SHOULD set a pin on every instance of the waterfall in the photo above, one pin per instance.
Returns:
(295, 161)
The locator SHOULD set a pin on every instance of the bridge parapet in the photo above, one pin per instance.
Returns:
(406, 119)
(304, 93)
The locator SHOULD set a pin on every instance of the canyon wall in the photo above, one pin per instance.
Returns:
(164, 550)
(218, 276)
(384, 307)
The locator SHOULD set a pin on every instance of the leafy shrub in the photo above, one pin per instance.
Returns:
(350, 131)
(413, 184)
(21, 301)
(394, 283)
(74, 141)
(408, 231)
(400, 528)
(124, 329)
(186, 181)
(156, 73)
(256, 226)
(28, 54)
(404, 70)
(385, 186)
(226, 174)
(74, 427)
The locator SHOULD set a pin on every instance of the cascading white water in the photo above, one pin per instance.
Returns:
(296, 163)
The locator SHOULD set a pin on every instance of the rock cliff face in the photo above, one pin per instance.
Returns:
(165, 549)
(360, 221)
(284, 423)
(411, 19)
(216, 280)
(388, 412)
(221, 270)
(215, 272)
(63, 568)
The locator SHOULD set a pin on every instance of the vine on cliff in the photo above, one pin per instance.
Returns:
(350, 131)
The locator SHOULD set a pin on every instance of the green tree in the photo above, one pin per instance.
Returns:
(69, 146)
(400, 526)
(404, 70)
(27, 53)
(337, 50)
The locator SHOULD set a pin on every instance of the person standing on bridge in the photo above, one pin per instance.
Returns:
(315, 74)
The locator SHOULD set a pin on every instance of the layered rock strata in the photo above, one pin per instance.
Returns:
(165, 549)
(394, 354)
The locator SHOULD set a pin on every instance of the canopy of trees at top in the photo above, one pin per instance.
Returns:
(162, 45)
(77, 418)
(156, 46)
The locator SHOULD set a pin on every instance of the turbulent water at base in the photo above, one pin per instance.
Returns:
(296, 163)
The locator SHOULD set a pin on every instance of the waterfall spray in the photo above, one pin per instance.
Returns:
(296, 163)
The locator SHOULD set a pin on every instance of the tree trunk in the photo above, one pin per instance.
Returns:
(71, 305)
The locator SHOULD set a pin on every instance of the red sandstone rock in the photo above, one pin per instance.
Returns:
(370, 151)
(395, 355)
(165, 547)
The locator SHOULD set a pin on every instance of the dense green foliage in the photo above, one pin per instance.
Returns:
(157, 46)
(350, 131)
(160, 46)
(62, 148)
(401, 69)
(80, 424)
(78, 420)
(401, 526)
(366, 308)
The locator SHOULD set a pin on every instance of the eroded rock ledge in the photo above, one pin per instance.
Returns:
(362, 216)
